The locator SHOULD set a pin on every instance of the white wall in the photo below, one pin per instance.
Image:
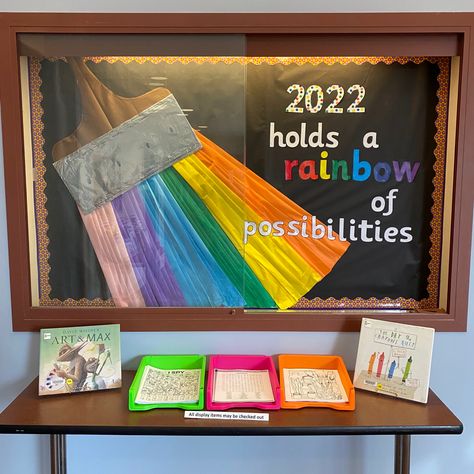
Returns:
(284, 6)
(452, 358)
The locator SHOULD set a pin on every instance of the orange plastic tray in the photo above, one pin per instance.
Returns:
(301, 361)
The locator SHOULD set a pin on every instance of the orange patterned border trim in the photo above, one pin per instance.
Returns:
(261, 60)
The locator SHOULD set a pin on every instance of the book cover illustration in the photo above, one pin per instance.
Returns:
(394, 359)
(79, 359)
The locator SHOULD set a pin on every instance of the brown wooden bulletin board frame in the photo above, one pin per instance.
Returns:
(374, 34)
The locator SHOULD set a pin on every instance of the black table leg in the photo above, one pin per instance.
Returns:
(58, 453)
(402, 454)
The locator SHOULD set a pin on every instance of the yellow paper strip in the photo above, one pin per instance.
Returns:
(280, 269)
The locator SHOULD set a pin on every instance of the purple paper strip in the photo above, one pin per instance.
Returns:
(149, 262)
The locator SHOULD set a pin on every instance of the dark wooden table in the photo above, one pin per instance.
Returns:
(106, 413)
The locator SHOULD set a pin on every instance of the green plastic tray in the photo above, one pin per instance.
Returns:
(168, 362)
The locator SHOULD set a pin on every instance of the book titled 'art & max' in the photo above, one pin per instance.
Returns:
(79, 359)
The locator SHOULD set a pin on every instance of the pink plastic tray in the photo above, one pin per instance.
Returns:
(246, 362)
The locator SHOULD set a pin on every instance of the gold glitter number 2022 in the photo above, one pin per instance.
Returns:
(314, 105)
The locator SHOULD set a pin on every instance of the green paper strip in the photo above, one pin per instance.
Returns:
(217, 242)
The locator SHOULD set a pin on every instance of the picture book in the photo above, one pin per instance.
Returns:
(394, 359)
(79, 359)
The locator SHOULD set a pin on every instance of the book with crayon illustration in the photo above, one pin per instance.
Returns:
(394, 359)
(79, 359)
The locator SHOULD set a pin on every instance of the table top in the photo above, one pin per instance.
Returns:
(106, 412)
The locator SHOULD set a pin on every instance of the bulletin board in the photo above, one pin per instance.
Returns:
(289, 191)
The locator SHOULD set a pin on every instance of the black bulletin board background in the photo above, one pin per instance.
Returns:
(400, 102)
